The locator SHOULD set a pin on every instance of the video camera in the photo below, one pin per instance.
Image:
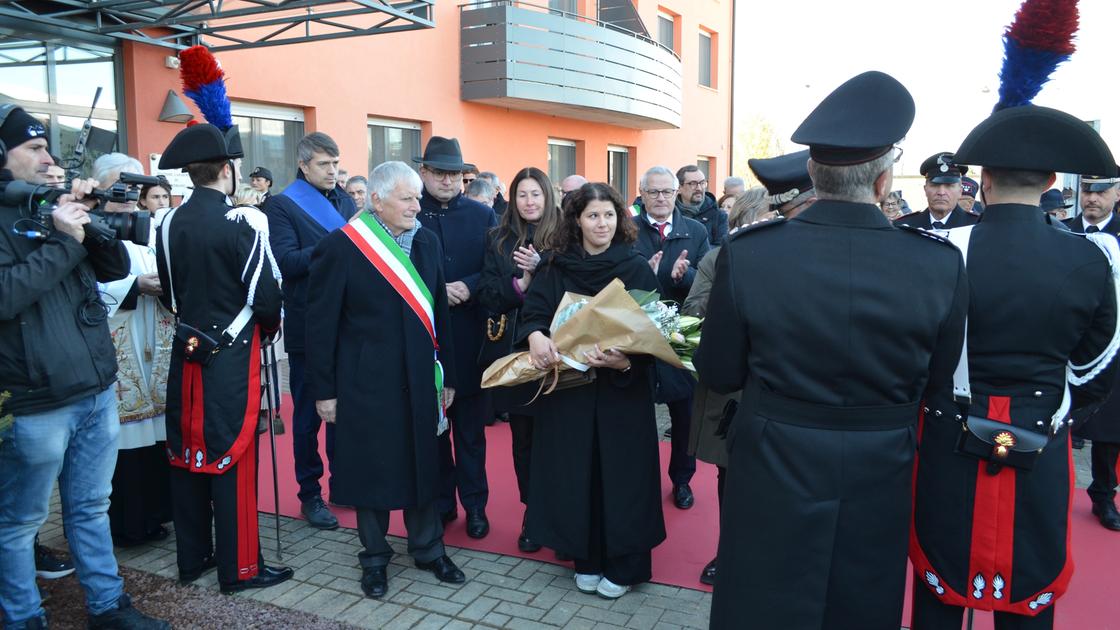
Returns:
(40, 200)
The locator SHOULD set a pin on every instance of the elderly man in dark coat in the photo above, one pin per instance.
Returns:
(381, 315)
(461, 225)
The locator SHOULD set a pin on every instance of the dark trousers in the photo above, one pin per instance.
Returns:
(141, 498)
(930, 614)
(425, 535)
(623, 569)
(521, 430)
(466, 468)
(681, 465)
(229, 501)
(1103, 457)
(305, 432)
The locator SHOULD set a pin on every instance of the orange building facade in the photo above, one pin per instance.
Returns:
(568, 90)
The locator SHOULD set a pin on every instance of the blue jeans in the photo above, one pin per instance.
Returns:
(76, 444)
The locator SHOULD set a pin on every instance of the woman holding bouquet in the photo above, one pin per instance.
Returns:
(510, 263)
(595, 483)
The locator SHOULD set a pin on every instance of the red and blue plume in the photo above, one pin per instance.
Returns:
(1038, 40)
(204, 82)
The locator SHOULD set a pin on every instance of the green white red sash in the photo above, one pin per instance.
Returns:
(387, 257)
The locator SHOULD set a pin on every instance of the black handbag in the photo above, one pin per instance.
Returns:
(1000, 444)
(198, 347)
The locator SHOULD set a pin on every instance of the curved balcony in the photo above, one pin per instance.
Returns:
(526, 57)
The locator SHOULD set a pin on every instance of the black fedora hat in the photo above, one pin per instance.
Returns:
(1052, 200)
(444, 154)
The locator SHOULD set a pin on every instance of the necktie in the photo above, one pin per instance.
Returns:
(937, 225)
(663, 230)
(1092, 229)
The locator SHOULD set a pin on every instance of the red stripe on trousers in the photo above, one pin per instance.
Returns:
(993, 521)
(192, 411)
(248, 536)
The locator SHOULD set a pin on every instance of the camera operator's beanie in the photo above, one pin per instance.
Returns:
(19, 127)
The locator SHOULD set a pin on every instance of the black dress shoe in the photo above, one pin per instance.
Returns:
(477, 524)
(449, 515)
(186, 577)
(318, 515)
(526, 544)
(444, 569)
(682, 496)
(374, 582)
(708, 575)
(1106, 513)
(266, 577)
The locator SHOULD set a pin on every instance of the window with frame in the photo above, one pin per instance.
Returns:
(269, 136)
(56, 83)
(568, 6)
(666, 30)
(393, 140)
(704, 58)
(561, 159)
(618, 171)
(705, 166)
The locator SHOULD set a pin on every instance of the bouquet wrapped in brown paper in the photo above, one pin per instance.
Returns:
(610, 319)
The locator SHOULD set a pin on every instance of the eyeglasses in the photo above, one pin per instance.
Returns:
(898, 156)
(667, 193)
(891, 204)
(439, 173)
(698, 184)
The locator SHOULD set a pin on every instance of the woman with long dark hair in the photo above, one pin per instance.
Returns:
(510, 263)
(595, 482)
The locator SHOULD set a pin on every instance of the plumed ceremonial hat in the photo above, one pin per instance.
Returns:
(940, 168)
(201, 143)
(1034, 138)
(783, 173)
(859, 121)
(1100, 183)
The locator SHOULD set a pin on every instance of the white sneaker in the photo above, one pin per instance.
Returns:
(587, 582)
(609, 590)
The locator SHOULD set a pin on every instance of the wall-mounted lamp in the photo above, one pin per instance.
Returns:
(174, 109)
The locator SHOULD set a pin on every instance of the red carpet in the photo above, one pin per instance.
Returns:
(1091, 603)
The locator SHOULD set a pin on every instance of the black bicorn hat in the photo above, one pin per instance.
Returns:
(1100, 183)
(1035, 138)
(263, 173)
(783, 173)
(201, 143)
(1052, 200)
(940, 168)
(859, 121)
(444, 154)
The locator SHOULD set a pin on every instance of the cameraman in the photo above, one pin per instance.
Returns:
(58, 365)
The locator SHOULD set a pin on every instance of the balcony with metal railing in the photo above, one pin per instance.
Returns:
(529, 57)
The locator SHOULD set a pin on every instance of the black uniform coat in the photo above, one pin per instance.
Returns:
(1039, 298)
(294, 235)
(213, 410)
(461, 226)
(959, 217)
(685, 235)
(1099, 423)
(834, 350)
(616, 411)
(371, 352)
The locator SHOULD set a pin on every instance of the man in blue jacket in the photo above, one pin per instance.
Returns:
(696, 203)
(461, 225)
(298, 218)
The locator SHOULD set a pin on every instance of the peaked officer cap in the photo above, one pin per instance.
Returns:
(940, 168)
(783, 173)
(201, 143)
(1034, 138)
(1100, 183)
(860, 121)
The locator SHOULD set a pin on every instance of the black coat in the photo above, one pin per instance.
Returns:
(1039, 298)
(614, 414)
(293, 235)
(710, 216)
(499, 298)
(686, 235)
(212, 264)
(1099, 423)
(834, 351)
(371, 352)
(959, 217)
(461, 226)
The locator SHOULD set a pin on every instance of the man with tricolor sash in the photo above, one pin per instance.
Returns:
(377, 368)
(308, 209)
